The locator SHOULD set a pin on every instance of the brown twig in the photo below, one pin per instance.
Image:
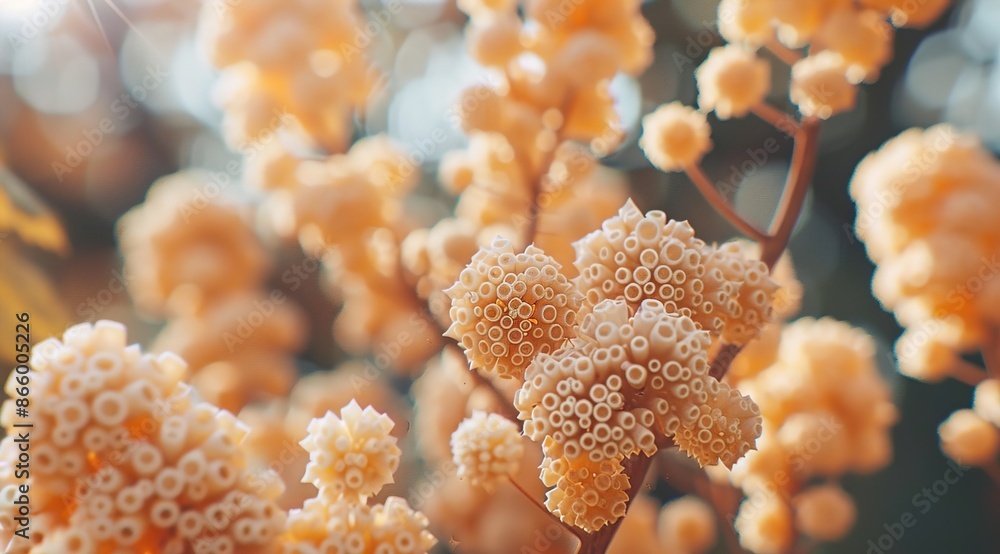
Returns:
(777, 118)
(721, 205)
(636, 468)
(576, 532)
(967, 372)
(792, 200)
(782, 52)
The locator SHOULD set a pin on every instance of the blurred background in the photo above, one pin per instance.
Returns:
(98, 98)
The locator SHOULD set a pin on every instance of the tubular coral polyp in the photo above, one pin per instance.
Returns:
(506, 308)
(125, 458)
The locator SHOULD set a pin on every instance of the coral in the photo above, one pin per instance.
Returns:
(732, 81)
(486, 448)
(675, 136)
(824, 512)
(820, 86)
(749, 23)
(353, 456)
(725, 427)
(924, 203)
(182, 251)
(765, 527)
(506, 308)
(341, 526)
(862, 38)
(637, 257)
(986, 402)
(124, 458)
(687, 524)
(585, 493)
(909, 14)
(298, 66)
(969, 439)
(625, 382)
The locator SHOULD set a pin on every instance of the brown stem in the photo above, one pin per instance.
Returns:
(783, 52)
(721, 205)
(576, 532)
(636, 468)
(792, 200)
(989, 350)
(777, 118)
(966, 372)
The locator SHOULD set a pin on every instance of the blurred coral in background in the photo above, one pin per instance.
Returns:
(499, 276)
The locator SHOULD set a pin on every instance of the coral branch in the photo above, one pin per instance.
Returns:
(792, 199)
(722, 206)
(578, 533)
(636, 468)
(782, 52)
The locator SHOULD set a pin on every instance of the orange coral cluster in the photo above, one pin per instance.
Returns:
(193, 258)
(301, 60)
(826, 412)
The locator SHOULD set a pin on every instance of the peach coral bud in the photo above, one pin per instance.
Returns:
(352, 456)
(637, 257)
(687, 524)
(723, 429)
(623, 383)
(342, 526)
(755, 296)
(862, 37)
(586, 494)
(824, 512)
(747, 22)
(675, 136)
(506, 308)
(487, 8)
(969, 439)
(123, 457)
(820, 87)
(183, 251)
(798, 20)
(905, 13)
(986, 401)
(765, 527)
(486, 448)
(732, 81)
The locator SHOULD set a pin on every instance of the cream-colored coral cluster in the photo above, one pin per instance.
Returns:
(486, 449)
(847, 43)
(924, 204)
(346, 211)
(537, 120)
(613, 392)
(194, 259)
(351, 458)
(638, 257)
(826, 412)
(302, 61)
(124, 458)
(972, 437)
(508, 307)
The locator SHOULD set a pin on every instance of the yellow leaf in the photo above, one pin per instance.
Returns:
(24, 214)
(26, 288)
